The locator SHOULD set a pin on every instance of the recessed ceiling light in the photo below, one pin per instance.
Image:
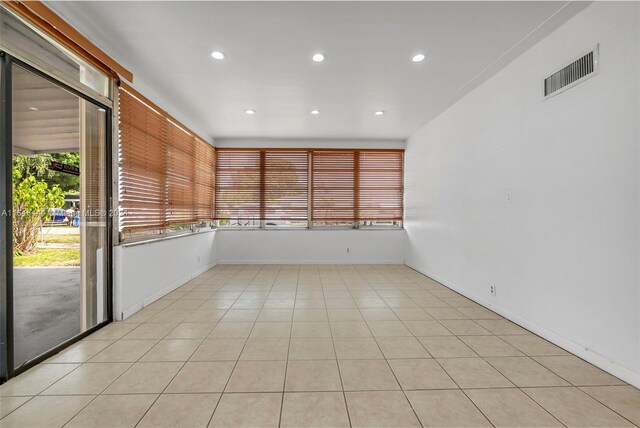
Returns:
(314, 112)
(33, 108)
(318, 57)
(250, 111)
(418, 57)
(379, 113)
(217, 55)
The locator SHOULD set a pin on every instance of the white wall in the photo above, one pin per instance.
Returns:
(564, 254)
(145, 272)
(311, 246)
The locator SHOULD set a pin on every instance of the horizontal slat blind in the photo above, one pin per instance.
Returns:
(333, 192)
(274, 184)
(237, 184)
(180, 177)
(261, 184)
(380, 185)
(166, 172)
(204, 181)
(143, 154)
(285, 185)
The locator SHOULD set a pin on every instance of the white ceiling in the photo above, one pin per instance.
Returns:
(46, 118)
(368, 46)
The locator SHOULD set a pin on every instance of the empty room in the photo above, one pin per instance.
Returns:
(319, 214)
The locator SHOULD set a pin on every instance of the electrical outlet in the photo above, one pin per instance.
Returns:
(348, 249)
(507, 196)
(492, 290)
(198, 259)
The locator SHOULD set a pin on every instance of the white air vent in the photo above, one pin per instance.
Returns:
(574, 73)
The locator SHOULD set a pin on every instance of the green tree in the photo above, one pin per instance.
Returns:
(27, 166)
(38, 166)
(31, 202)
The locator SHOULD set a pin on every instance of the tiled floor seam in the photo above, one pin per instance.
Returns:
(40, 394)
(344, 395)
(389, 366)
(286, 364)
(234, 365)
(452, 379)
(351, 286)
(129, 368)
(467, 395)
(579, 389)
(527, 356)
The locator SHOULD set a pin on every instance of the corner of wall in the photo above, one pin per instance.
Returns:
(146, 272)
(633, 378)
(567, 231)
(117, 283)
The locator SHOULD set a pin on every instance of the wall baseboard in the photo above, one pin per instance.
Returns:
(598, 360)
(311, 262)
(166, 290)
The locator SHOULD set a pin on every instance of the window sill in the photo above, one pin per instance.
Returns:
(315, 229)
(143, 241)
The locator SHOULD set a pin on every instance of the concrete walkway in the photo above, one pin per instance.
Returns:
(46, 309)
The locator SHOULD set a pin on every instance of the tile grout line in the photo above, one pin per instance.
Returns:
(387, 362)
(524, 392)
(577, 388)
(594, 398)
(215, 408)
(492, 334)
(464, 391)
(110, 383)
(335, 352)
(138, 361)
(286, 363)
(403, 288)
(184, 363)
(524, 355)
(103, 389)
(450, 377)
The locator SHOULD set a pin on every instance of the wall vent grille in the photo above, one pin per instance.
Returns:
(574, 73)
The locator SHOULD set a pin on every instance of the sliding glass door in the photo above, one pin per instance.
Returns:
(58, 245)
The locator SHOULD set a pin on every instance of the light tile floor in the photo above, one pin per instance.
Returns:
(352, 345)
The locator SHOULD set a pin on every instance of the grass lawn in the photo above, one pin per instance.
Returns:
(49, 257)
(61, 239)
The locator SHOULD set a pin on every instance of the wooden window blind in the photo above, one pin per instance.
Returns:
(142, 161)
(380, 185)
(286, 186)
(166, 172)
(274, 184)
(204, 181)
(238, 175)
(180, 175)
(333, 192)
(357, 185)
(261, 184)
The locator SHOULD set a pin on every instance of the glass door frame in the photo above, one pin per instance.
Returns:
(7, 369)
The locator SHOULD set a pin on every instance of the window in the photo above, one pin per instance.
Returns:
(266, 188)
(286, 186)
(379, 187)
(237, 196)
(360, 188)
(333, 187)
(289, 188)
(166, 172)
